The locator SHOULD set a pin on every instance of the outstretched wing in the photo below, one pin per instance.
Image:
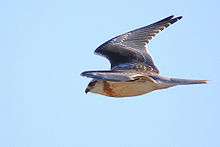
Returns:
(131, 46)
(115, 76)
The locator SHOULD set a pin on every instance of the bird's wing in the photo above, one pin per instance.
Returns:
(115, 76)
(131, 46)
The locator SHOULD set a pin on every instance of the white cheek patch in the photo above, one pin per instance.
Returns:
(98, 87)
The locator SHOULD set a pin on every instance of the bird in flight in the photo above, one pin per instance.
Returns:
(133, 71)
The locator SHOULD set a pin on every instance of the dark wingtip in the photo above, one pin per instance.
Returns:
(89, 74)
(179, 17)
(166, 19)
(84, 74)
(173, 20)
(169, 17)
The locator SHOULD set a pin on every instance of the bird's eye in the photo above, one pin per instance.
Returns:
(91, 84)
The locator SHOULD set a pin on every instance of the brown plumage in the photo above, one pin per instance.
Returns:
(133, 71)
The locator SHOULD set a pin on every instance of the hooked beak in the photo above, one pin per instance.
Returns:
(87, 90)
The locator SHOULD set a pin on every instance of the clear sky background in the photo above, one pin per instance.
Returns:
(45, 45)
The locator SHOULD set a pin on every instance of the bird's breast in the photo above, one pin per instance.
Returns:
(126, 89)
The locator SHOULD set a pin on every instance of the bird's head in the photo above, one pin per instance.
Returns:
(94, 86)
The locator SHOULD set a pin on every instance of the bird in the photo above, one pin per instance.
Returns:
(133, 71)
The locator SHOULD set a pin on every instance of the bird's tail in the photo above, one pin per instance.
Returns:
(187, 81)
(175, 81)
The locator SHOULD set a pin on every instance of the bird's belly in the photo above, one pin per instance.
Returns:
(126, 89)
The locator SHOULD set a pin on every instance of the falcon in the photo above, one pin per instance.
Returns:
(133, 71)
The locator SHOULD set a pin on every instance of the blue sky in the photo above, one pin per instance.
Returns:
(45, 45)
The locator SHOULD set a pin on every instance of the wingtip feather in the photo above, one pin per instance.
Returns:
(179, 17)
(173, 20)
(169, 17)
